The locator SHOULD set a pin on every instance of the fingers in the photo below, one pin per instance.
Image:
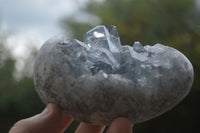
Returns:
(120, 125)
(52, 120)
(87, 128)
(49, 121)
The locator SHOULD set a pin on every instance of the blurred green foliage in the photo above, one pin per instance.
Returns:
(18, 98)
(171, 22)
(175, 23)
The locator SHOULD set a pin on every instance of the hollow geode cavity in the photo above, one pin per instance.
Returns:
(98, 80)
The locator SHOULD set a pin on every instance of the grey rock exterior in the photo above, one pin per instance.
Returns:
(98, 80)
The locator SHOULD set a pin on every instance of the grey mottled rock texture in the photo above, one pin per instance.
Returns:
(98, 80)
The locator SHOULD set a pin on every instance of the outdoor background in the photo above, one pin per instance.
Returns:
(26, 24)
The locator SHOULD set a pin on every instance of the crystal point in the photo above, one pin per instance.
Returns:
(113, 31)
(100, 37)
(138, 47)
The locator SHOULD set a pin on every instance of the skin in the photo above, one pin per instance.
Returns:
(52, 120)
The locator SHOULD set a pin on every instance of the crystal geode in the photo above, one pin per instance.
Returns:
(98, 80)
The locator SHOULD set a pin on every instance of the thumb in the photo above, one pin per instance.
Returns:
(46, 122)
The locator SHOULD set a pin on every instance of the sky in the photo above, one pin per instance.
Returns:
(34, 20)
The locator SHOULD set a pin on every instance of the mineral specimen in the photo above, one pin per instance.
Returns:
(98, 80)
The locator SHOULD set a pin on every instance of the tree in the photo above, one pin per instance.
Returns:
(18, 99)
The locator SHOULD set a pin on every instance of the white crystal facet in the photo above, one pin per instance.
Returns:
(113, 47)
(98, 35)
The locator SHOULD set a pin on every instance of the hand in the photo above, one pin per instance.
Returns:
(52, 120)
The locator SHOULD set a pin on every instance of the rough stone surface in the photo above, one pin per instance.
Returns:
(98, 80)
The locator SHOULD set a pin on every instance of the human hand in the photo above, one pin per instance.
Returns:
(52, 120)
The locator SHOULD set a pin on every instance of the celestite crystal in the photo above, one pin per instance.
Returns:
(98, 80)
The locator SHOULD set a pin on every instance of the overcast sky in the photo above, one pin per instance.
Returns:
(40, 15)
(34, 20)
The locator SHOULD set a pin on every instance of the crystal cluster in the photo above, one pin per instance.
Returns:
(98, 80)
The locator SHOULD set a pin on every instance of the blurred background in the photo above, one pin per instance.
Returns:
(26, 24)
